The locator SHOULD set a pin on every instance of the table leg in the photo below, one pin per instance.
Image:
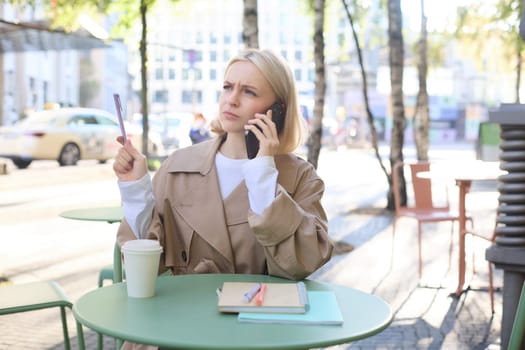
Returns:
(464, 187)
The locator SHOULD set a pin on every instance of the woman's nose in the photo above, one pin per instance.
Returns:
(233, 97)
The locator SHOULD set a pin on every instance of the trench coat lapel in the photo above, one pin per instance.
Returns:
(200, 202)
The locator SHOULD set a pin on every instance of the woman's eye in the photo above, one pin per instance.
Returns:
(226, 87)
(250, 92)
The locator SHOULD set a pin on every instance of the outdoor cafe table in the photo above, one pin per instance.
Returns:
(463, 177)
(108, 214)
(183, 315)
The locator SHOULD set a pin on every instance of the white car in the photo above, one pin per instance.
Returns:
(67, 135)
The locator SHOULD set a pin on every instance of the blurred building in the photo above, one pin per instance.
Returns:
(43, 67)
(190, 45)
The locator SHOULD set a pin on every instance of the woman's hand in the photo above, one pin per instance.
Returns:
(130, 164)
(264, 129)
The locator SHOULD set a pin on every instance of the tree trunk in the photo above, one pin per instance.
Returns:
(316, 123)
(396, 60)
(144, 76)
(250, 28)
(421, 117)
(370, 116)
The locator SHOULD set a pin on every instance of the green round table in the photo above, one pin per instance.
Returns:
(183, 315)
(108, 214)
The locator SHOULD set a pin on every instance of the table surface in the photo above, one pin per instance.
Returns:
(183, 314)
(469, 171)
(109, 214)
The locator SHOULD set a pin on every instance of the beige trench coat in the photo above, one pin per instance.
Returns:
(202, 233)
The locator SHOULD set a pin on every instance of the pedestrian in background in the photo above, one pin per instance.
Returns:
(199, 130)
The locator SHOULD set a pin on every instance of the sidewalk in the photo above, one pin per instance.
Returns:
(425, 317)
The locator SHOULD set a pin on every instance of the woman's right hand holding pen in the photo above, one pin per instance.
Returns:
(130, 164)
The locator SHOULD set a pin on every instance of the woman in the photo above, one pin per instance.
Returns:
(215, 211)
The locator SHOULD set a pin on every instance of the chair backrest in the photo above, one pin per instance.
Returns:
(422, 188)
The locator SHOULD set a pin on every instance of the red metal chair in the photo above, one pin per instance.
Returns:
(424, 208)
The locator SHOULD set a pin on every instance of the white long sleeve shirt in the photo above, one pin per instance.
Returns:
(259, 174)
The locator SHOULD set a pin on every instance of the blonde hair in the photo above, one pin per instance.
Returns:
(281, 79)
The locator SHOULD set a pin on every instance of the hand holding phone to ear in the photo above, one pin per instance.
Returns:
(252, 137)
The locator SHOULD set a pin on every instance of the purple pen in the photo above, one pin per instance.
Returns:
(118, 106)
(248, 296)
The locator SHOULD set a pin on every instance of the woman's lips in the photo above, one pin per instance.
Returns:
(230, 116)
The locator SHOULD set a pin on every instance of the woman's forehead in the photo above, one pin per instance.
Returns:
(246, 73)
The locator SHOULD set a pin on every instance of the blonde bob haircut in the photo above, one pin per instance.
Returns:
(281, 79)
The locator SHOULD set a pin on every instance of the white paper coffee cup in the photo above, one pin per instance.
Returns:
(141, 263)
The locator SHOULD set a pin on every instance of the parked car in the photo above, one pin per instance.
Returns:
(67, 135)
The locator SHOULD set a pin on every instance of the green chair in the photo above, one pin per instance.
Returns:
(105, 273)
(518, 327)
(15, 298)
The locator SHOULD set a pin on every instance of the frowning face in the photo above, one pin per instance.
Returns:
(245, 92)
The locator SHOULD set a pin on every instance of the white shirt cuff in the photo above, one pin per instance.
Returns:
(137, 202)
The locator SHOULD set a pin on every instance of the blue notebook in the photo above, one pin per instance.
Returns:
(323, 309)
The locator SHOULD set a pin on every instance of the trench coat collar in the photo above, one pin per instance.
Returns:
(200, 201)
(197, 158)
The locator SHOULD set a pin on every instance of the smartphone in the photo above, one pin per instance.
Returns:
(252, 144)
(118, 106)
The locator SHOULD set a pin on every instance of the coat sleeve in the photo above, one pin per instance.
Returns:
(294, 229)
(124, 234)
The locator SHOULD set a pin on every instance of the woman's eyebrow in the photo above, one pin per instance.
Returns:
(253, 87)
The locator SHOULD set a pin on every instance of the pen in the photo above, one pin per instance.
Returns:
(248, 296)
(260, 296)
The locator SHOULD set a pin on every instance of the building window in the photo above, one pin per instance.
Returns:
(298, 75)
(311, 75)
(171, 74)
(213, 74)
(227, 39)
(160, 96)
(197, 74)
(213, 56)
(282, 38)
(186, 74)
(159, 74)
(298, 55)
(283, 53)
(200, 38)
(188, 96)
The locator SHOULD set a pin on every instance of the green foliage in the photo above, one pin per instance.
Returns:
(493, 24)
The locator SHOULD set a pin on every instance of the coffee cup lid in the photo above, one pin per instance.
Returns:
(141, 245)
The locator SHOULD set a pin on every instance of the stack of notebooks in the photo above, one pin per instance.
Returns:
(287, 303)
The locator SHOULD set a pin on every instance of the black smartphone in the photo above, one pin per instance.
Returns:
(252, 144)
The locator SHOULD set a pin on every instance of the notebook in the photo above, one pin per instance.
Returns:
(323, 309)
(278, 298)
